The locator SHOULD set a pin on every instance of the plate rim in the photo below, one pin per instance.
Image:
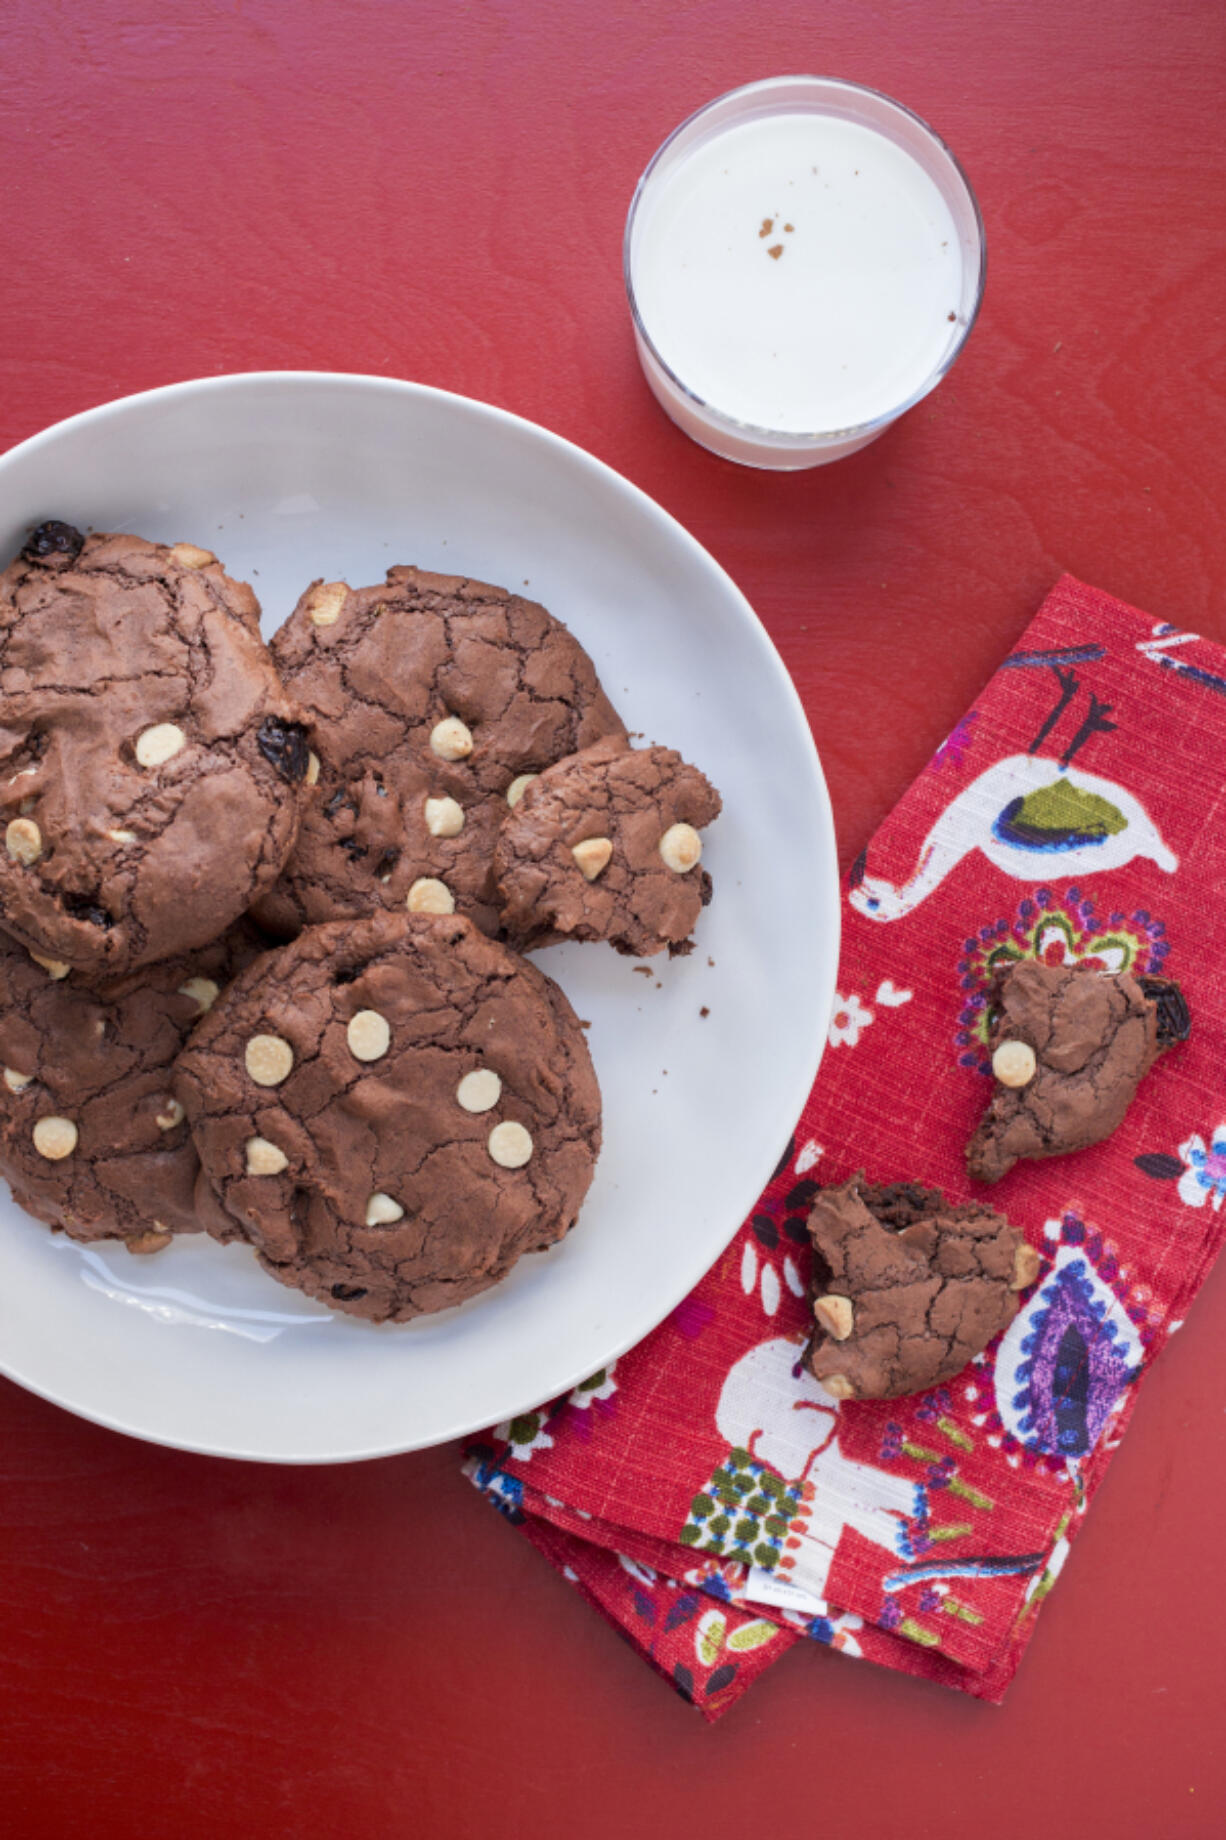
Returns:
(234, 381)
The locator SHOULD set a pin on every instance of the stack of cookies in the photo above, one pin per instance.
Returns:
(264, 910)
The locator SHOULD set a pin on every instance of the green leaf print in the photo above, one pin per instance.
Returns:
(709, 1637)
(752, 1635)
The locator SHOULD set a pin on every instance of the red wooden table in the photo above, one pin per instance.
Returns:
(437, 191)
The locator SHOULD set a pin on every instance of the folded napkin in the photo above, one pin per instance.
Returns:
(702, 1491)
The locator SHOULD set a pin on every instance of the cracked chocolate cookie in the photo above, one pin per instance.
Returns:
(430, 700)
(1070, 1045)
(605, 845)
(392, 1110)
(907, 1288)
(92, 1139)
(150, 761)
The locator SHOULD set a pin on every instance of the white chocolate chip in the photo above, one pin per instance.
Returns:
(509, 1145)
(381, 1211)
(159, 744)
(55, 1138)
(263, 1158)
(202, 991)
(188, 556)
(444, 817)
(518, 787)
(324, 606)
(269, 1059)
(368, 1035)
(154, 1241)
(54, 967)
(592, 856)
(23, 840)
(681, 846)
(312, 772)
(480, 1090)
(23, 773)
(172, 1115)
(1014, 1063)
(838, 1386)
(1025, 1268)
(122, 836)
(428, 896)
(836, 1315)
(17, 1082)
(450, 739)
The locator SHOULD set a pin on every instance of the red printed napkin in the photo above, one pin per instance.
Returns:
(707, 1495)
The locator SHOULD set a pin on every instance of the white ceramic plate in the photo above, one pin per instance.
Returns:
(288, 476)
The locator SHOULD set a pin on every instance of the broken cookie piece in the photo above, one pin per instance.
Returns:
(605, 844)
(907, 1286)
(1070, 1045)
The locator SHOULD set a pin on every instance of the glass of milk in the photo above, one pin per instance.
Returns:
(804, 260)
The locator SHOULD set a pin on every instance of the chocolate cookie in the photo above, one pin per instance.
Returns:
(92, 1139)
(605, 845)
(1070, 1046)
(392, 1110)
(429, 700)
(150, 761)
(907, 1288)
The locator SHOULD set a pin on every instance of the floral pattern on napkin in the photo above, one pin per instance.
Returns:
(703, 1492)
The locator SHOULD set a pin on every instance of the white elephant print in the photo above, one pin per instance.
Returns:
(785, 1479)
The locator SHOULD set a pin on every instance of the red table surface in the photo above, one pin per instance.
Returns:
(437, 191)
